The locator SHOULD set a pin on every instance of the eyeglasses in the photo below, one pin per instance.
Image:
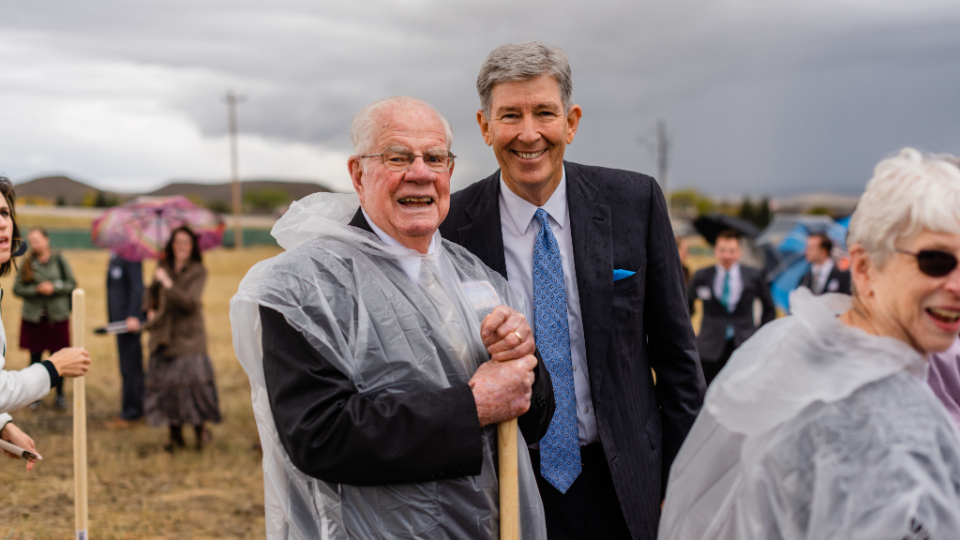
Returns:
(933, 262)
(401, 160)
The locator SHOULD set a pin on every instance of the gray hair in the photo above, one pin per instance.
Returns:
(909, 193)
(522, 62)
(366, 124)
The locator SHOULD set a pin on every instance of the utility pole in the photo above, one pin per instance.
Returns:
(662, 148)
(232, 100)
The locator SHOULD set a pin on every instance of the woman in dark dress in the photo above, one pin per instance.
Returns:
(180, 386)
(45, 282)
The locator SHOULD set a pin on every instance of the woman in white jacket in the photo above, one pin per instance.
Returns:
(20, 388)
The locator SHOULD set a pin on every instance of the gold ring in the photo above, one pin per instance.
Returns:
(518, 336)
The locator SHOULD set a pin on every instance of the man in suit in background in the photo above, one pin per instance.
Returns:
(824, 276)
(124, 301)
(728, 291)
(592, 252)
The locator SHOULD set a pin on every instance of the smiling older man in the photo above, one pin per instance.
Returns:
(373, 392)
(592, 252)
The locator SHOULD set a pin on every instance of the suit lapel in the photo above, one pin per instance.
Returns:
(483, 234)
(592, 233)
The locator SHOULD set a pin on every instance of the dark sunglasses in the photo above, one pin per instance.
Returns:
(932, 262)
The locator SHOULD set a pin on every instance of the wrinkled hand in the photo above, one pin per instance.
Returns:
(12, 434)
(71, 361)
(506, 334)
(163, 277)
(133, 324)
(502, 390)
(46, 288)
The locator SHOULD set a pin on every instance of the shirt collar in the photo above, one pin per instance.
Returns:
(391, 241)
(521, 211)
(825, 267)
(734, 270)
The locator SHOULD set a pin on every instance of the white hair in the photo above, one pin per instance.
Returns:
(909, 193)
(366, 124)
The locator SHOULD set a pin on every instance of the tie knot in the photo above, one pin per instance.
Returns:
(541, 216)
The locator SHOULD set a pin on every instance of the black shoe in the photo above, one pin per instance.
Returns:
(61, 403)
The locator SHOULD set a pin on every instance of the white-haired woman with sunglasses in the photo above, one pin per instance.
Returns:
(821, 425)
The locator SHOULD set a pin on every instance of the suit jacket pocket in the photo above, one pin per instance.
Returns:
(627, 283)
(654, 430)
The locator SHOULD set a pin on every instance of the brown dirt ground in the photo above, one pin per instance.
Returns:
(135, 489)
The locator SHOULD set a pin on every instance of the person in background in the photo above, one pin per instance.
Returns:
(19, 388)
(180, 387)
(822, 426)
(944, 379)
(824, 276)
(683, 249)
(125, 303)
(727, 291)
(45, 282)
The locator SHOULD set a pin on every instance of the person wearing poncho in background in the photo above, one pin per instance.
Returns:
(367, 347)
(821, 425)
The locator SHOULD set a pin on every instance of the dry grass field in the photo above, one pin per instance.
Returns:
(135, 489)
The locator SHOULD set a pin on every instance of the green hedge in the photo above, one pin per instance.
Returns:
(80, 238)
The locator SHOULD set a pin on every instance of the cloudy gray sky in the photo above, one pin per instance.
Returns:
(760, 97)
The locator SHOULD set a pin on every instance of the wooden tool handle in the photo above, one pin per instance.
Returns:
(77, 334)
(509, 486)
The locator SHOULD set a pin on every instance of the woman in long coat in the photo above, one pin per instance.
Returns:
(180, 386)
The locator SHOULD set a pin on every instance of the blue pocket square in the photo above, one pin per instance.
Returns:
(620, 274)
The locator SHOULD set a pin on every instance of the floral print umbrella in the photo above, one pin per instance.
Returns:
(141, 228)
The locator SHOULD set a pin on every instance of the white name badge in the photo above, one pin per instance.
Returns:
(116, 272)
(833, 285)
(704, 293)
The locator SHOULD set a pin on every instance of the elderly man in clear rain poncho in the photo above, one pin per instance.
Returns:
(367, 345)
(821, 426)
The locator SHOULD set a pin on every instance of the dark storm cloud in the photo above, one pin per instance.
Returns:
(759, 98)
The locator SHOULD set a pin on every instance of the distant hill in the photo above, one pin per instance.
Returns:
(51, 189)
(259, 195)
(220, 194)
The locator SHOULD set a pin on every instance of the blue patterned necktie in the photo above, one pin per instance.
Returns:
(559, 448)
(725, 300)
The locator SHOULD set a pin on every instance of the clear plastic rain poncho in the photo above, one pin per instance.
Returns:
(816, 430)
(343, 289)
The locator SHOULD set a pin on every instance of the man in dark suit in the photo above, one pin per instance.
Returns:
(824, 276)
(728, 291)
(124, 303)
(592, 252)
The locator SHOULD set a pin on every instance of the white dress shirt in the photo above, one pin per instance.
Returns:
(822, 272)
(520, 229)
(736, 284)
(410, 262)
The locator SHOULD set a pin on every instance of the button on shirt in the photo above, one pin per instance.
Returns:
(736, 284)
(520, 230)
(409, 262)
